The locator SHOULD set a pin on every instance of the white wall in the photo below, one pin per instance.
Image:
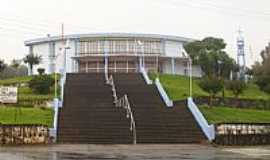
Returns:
(180, 68)
(197, 71)
(166, 67)
(43, 50)
(173, 49)
(69, 53)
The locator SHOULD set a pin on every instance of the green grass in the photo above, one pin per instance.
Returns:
(35, 97)
(220, 114)
(177, 88)
(26, 116)
(25, 94)
(252, 92)
(16, 80)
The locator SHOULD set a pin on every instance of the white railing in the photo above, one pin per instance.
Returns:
(163, 94)
(123, 102)
(57, 104)
(110, 82)
(209, 130)
(146, 77)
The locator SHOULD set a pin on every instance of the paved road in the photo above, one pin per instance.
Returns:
(132, 152)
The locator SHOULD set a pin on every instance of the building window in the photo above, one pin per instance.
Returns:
(131, 47)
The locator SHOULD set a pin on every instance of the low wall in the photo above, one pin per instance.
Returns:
(242, 134)
(234, 102)
(24, 134)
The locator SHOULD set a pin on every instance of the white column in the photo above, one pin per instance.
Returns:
(114, 62)
(106, 52)
(127, 66)
(140, 63)
(173, 65)
(98, 67)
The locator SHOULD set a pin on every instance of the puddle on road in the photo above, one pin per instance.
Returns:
(80, 156)
(147, 152)
(73, 156)
(251, 152)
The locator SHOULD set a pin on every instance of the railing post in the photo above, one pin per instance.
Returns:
(124, 103)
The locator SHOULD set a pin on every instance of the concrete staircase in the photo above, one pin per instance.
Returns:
(89, 115)
(156, 123)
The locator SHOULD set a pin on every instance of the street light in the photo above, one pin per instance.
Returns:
(140, 43)
(219, 68)
(190, 76)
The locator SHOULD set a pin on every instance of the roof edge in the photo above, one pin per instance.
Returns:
(109, 35)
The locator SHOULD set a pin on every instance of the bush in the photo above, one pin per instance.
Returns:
(211, 86)
(41, 71)
(41, 84)
(236, 86)
(263, 83)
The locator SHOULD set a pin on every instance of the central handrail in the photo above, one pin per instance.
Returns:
(123, 102)
(110, 82)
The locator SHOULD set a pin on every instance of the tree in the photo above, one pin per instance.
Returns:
(211, 86)
(2, 65)
(15, 63)
(32, 60)
(10, 72)
(236, 86)
(210, 55)
(261, 71)
(41, 71)
(41, 84)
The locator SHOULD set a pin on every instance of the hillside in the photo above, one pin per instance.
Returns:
(178, 88)
(31, 107)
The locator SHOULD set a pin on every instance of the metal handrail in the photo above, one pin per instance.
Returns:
(123, 102)
(110, 82)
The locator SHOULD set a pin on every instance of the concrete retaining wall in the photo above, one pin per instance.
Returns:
(242, 134)
(24, 134)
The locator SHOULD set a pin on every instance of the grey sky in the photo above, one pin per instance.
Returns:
(22, 20)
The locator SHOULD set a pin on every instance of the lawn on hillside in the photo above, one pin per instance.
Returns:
(26, 97)
(220, 114)
(177, 88)
(15, 80)
(15, 115)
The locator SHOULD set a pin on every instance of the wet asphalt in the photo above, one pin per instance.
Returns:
(133, 152)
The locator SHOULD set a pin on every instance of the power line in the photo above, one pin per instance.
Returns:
(214, 8)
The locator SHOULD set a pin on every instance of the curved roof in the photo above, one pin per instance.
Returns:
(107, 35)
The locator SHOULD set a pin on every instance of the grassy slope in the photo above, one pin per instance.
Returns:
(26, 115)
(178, 88)
(220, 114)
(16, 80)
(25, 93)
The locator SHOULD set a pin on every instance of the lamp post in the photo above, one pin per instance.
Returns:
(219, 68)
(66, 47)
(190, 76)
(141, 55)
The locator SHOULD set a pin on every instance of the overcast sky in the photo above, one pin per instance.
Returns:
(21, 20)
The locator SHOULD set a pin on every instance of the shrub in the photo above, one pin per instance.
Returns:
(263, 83)
(236, 86)
(41, 84)
(41, 71)
(211, 86)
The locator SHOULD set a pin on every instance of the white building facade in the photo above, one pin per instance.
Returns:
(121, 52)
